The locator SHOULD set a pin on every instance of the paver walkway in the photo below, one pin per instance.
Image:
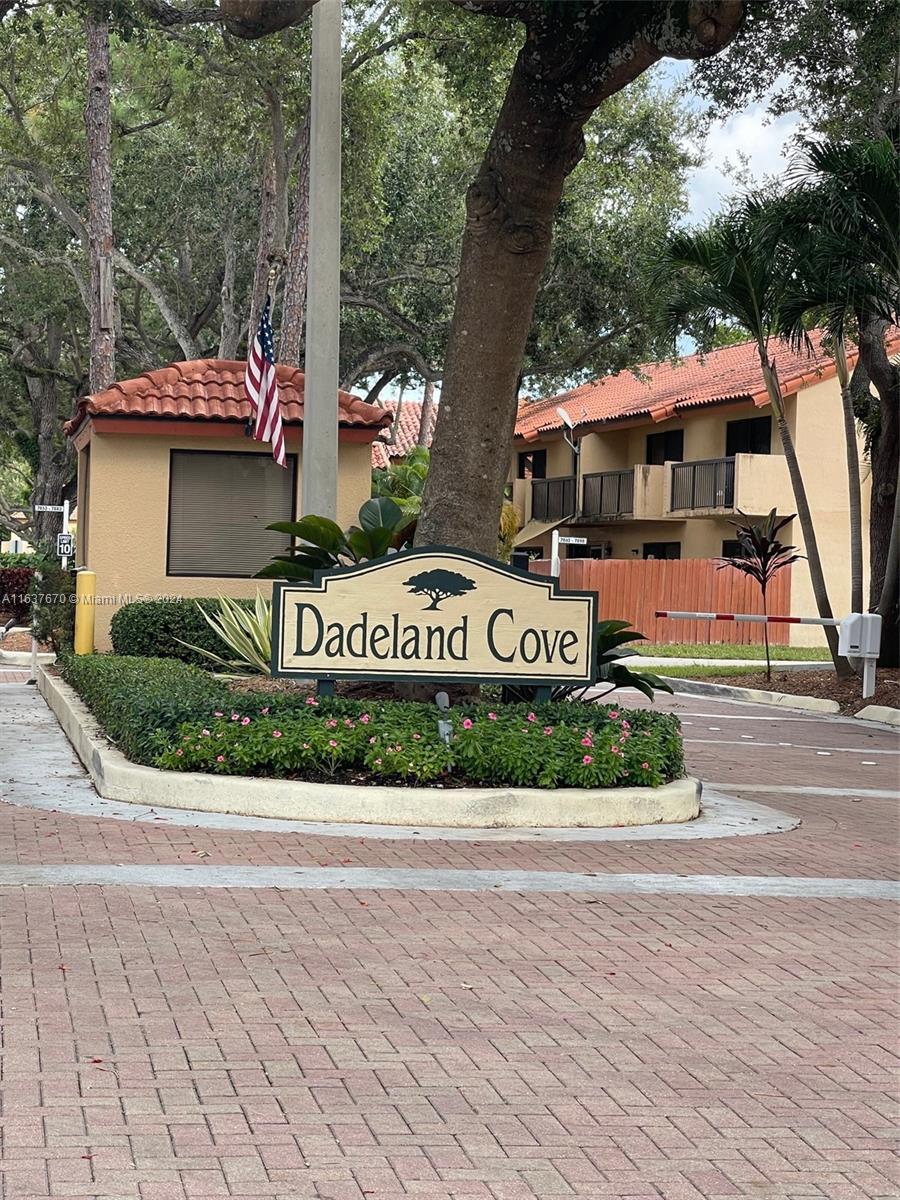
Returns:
(171, 1042)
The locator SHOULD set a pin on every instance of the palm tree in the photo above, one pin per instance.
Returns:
(731, 270)
(845, 205)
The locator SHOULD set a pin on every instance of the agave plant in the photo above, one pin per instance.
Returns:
(762, 557)
(247, 632)
(321, 544)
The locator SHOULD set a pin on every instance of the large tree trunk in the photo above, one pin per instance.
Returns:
(510, 209)
(804, 515)
(100, 224)
(854, 494)
(293, 315)
(574, 57)
(885, 463)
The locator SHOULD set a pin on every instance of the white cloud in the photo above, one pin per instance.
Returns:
(764, 143)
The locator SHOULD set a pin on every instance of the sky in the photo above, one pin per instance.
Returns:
(750, 132)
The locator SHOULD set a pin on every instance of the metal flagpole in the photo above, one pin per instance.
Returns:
(320, 431)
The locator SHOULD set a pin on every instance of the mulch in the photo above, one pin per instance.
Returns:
(22, 641)
(824, 684)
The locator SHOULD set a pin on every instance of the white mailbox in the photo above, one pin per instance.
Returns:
(860, 635)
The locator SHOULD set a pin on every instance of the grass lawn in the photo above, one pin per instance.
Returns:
(724, 650)
(750, 675)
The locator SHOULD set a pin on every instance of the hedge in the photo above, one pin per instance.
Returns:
(149, 628)
(175, 716)
(139, 701)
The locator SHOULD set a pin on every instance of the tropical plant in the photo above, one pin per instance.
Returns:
(611, 635)
(404, 482)
(322, 544)
(246, 631)
(732, 270)
(762, 556)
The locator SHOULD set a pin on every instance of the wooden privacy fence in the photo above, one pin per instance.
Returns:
(633, 589)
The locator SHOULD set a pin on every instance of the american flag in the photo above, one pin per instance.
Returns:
(262, 389)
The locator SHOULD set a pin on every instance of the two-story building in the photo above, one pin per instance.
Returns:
(657, 463)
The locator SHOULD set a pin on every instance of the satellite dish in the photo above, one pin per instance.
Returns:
(565, 418)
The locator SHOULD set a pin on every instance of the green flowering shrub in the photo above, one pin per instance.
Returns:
(174, 716)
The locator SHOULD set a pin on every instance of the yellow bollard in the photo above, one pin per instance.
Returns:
(85, 591)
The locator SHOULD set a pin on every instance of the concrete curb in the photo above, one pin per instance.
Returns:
(22, 658)
(880, 713)
(696, 687)
(118, 779)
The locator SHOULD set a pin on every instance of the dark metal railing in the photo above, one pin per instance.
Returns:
(706, 483)
(608, 494)
(552, 499)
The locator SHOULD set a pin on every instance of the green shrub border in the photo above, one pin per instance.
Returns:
(149, 629)
(170, 714)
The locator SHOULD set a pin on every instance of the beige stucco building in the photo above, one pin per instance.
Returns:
(667, 455)
(173, 497)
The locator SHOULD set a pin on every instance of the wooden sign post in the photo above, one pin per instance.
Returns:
(434, 614)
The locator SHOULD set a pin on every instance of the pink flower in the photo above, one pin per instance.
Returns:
(218, 714)
(372, 741)
(624, 737)
(532, 717)
(586, 740)
(348, 722)
(265, 710)
(587, 759)
(220, 758)
(276, 733)
(417, 737)
(467, 724)
(613, 714)
(332, 724)
(206, 733)
(645, 766)
(626, 725)
(492, 716)
(364, 719)
(626, 772)
(377, 762)
(179, 753)
(332, 743)
(306, 745)
(548, 729)
(234, 716)
(615, 750)
(311, 700)
(246, 721)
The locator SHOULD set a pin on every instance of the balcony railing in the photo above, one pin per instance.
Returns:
(608, 494)
(552, 499)
(706, 483)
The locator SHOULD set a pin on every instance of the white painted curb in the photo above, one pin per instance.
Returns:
(118, 779)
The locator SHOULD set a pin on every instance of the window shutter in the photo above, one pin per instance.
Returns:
(220, 503)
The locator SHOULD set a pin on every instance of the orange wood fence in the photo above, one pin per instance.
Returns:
(633, 589)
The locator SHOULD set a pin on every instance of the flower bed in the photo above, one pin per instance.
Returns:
(167, 714)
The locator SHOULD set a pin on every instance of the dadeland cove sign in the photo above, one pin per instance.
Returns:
(434, 613)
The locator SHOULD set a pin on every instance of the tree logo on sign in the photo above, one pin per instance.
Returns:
(439, 585)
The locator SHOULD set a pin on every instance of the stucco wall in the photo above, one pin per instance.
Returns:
(128, 517)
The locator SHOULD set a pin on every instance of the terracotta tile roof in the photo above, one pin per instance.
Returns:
(407, 432)
(212, 389)
(662, 390)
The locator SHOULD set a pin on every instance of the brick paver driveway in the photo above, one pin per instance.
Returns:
(171, 1042)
